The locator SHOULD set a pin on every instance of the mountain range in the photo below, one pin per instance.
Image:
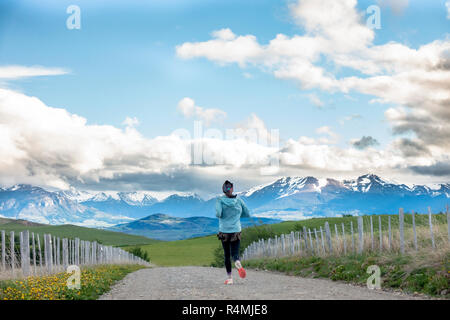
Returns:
(286, 198)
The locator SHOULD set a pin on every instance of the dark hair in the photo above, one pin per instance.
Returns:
(227, 185)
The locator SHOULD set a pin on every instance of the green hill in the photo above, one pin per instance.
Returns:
(70, 231)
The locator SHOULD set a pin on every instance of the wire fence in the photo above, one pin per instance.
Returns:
(343, 239)
(25, 254)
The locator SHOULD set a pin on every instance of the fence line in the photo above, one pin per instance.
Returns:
(26, 259)
(301, 242)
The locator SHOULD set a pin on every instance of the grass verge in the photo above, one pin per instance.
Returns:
(189, 252)
(94, 282)
(423, 272)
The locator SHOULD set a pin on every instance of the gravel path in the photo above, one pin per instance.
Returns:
(202, 283)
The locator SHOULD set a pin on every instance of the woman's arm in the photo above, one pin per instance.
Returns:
(218, 209)
(245, 213)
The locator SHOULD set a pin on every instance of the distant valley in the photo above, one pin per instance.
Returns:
(165, 227)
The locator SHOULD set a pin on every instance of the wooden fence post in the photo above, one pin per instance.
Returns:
(431, 228)
(337, 236)
(77, 251)
(58, 251)
(414, 229)
(3, 251)
(49, 250)
(65, 253)
(21, 250)
(401, 218)
(448, 223)
(283, 249)
(46, 253)
(310, 241)
(275, 245)
(371, 232)
(380, 233)
(26, 253)
(305, 237)
(353, 237)
(40, 251)
(345, 240)
(300, 244)
(317, 241)
(34, 252)
(361, 234)
(86, 252)
(323, 242)
(328, 235)
(292, 243)
(390, 233)
(13, 253)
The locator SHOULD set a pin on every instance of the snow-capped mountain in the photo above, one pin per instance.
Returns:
(39, 205)
(284, 198)
(368, 194)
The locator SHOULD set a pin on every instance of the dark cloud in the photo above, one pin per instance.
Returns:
(438, 169)
(364, 142)
(431, 130)
(181, 180)
(411, 148)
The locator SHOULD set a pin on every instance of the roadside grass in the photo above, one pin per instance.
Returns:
(94, 282)
(104, 237)
(422, 272)
(190, 252)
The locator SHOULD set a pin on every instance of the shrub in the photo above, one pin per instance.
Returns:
(138, 252)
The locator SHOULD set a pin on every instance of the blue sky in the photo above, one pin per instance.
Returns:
(123, 63)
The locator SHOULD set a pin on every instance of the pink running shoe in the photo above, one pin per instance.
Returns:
(229, 281)
(241, 270)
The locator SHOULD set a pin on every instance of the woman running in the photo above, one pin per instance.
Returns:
(230, 209)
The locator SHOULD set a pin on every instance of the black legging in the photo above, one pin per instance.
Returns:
(231, 249)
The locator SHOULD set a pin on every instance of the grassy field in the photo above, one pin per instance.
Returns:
(70, 231)
(423, 272)
(190, 252)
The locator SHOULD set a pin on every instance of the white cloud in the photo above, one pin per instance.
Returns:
(349, 118)
(188, 108)
(224, 34)
(131, 122)
(45, 145)
(325, 130)
(315, 100)
(51, 147)
(397, 6)
(223, 48)
(17, 72)
(335, 31)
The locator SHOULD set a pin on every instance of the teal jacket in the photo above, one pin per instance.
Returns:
(230, 211)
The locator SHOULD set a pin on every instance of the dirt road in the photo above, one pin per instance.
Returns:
(203, 283)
